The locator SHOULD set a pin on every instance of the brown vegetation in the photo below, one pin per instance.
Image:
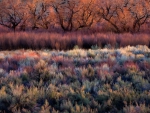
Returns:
(61, 41)
(75, 81)
(71, 15)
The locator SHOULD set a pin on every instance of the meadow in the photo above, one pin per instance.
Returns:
(108, 80)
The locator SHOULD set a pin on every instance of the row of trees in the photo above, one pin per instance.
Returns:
(118, 15)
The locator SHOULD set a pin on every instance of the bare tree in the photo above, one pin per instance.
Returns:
(12, 13)
(65, 11)
(141, 13)
(124, 15)
(45, 17)
(107, 11)
(39, 11)
(86, 14)
(120, 15)
(33, 11)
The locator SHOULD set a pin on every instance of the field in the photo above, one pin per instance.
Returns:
(74, 56)
(92, 80)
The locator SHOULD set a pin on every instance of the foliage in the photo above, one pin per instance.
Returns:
(75, 81)
(72, 15)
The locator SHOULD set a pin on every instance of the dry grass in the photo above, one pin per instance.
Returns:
(61, 41)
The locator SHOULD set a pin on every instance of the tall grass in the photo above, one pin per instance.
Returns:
(65, 41)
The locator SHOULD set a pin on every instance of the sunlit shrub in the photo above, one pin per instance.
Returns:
(131, 67)
(94, 81)
(88, 72)
(136, 109)
(45, 108)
